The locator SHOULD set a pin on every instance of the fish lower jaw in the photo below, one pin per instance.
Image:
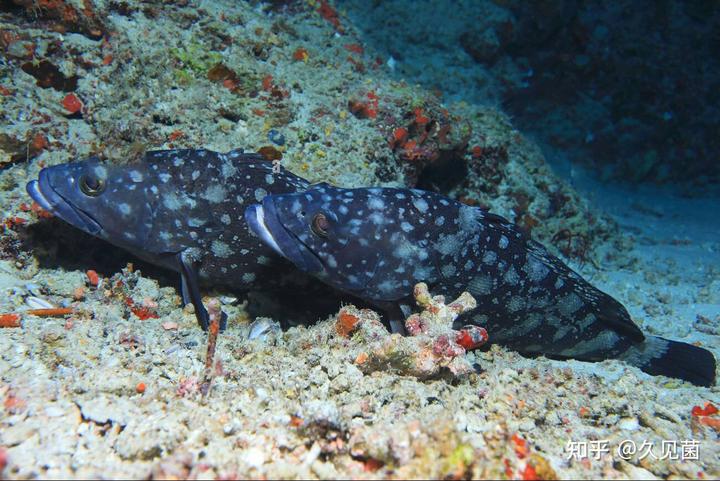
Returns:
(33, 189)
(255, 217)
(42, 192)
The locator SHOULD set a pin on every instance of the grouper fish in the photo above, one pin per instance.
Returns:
(377, 243)
(179, 209)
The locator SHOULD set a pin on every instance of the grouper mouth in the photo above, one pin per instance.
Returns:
(48, 198)
(263, 221)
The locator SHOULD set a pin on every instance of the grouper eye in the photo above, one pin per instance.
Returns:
(91, 185)
(320, 225)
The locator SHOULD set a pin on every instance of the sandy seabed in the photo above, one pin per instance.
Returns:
(102, 393)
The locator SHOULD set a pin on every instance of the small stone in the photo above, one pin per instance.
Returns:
(102, 410)
(254, 457)
(629, 424)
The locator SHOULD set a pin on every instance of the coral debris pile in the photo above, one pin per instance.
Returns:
(431, 348)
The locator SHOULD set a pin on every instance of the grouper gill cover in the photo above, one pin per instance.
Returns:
(378, 243)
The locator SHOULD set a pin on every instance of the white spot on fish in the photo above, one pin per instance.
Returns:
(516, 303)
(135, 176)
(481, 285)
(468, 218)
(406, 227)
(377, 218)
(248, 277)
(569, 304)
(535, 269)
(387, 286)
(229, 169)
(100, 171)
(260, 194)
(125, 208)
(225, 219)
(448, 270)
(164, 177)
(489, 257)
(220, 249)
(511, 276)
(173, 202)
(420, 204)
(214, 193)
(269, 179)
(331, 261)
(195, 174)
(503, 243)
(604, 341)
(376, 203)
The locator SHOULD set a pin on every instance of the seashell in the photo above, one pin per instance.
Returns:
(34, 302)
(228, 300)
(262, 327)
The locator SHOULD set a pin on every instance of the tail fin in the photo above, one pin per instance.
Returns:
(658, 356)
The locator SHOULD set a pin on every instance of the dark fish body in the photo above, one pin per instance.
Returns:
(377, 243)
(180, 209)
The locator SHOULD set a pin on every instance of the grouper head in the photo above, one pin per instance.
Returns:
(348, 238)
(116, 203)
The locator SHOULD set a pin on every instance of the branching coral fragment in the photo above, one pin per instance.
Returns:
(432, 347)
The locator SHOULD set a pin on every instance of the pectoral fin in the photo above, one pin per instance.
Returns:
(191, 288)
(394, 315)
(185, 291)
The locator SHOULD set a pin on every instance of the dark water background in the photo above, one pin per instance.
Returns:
(628, 89)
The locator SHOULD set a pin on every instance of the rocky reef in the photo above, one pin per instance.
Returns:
(104, 374)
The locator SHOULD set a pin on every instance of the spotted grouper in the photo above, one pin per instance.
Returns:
(377, 243)
(179, 209)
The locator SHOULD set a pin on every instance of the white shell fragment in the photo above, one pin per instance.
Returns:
(262, 327)
(34, 302)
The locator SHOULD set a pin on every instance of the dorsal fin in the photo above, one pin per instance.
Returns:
(238, 155)
(161, 156)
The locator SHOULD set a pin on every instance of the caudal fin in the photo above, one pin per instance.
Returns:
(658, 356)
